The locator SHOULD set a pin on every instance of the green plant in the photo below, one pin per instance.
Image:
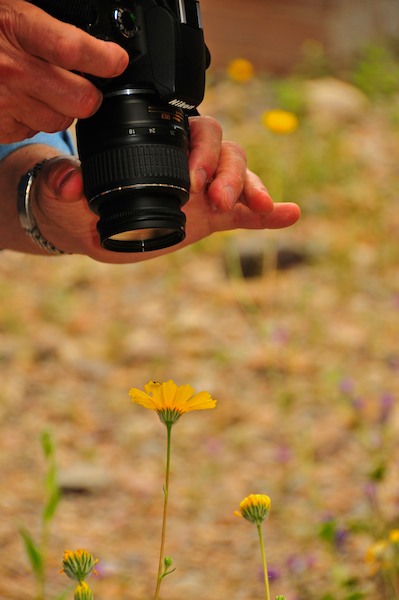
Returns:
(78, 565)
(255, 509)
(37, 549)
(170, 402)
(377, 72)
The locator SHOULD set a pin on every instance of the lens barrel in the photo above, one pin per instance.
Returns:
(134, 154)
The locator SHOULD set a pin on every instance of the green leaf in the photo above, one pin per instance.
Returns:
(33, 553)
(328, 531)
(167, 573)
(51, 505)
(50, 481)
(47, 444)
(378, 473)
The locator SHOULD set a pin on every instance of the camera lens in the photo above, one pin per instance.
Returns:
(135, 169)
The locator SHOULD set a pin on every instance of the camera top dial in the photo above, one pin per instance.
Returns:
(125, 21)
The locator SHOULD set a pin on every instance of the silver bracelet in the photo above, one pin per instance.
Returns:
(25, 214)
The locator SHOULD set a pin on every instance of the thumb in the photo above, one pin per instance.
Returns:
(63, 176)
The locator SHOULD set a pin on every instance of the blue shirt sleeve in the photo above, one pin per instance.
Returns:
(61, 140)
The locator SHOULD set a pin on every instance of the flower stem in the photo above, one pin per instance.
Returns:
(265, 573)
(165, 511)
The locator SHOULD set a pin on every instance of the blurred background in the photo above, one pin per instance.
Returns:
(271, 33)
(295, 332)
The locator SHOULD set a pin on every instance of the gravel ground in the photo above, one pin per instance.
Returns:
(302, 361)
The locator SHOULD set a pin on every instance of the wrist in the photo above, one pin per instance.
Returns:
(26, 212)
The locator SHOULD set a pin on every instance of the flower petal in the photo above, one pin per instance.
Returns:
(168, 396)
(200, 401)
(183, 395)
(140, 397)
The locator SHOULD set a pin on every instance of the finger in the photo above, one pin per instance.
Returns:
(229, 179)
(283, 215)
(30, 79)
(62, 210)
(12, 130)
(61, 91)
(68, 46)
(36, 116)
(63, 177)
(205, 145)
(255, 194)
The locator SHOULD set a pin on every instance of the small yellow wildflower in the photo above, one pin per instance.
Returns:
(170, 401)
(280, 121)
(241, 70)
(255, 508)
(376, 555)
(394, 536)
(83, 592)
(78, 564)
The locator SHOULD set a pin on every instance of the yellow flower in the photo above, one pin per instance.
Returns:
(83, 592)
(255, 508)
(241, 70)
(280, 121)
(78, 564)
(394, 536)
(171, 401)
(376, 555)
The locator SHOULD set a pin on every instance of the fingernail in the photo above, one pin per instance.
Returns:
(200, 179)
(229, 196)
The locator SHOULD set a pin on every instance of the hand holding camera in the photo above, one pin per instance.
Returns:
(134, 149)
(224, 195)
(38, 53)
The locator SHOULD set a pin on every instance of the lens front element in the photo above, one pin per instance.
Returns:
(139, 221)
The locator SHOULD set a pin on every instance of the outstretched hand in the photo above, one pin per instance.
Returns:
(225, 195)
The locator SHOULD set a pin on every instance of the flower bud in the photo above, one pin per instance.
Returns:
(78, 564)
(83, 592)
(255, 508)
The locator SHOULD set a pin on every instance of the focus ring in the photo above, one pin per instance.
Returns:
(129, 163)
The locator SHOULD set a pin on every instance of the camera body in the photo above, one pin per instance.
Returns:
(134, 149)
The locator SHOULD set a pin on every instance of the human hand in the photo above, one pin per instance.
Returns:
(224, 195)
(37, 54)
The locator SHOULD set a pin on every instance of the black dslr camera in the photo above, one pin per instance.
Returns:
(134, 149)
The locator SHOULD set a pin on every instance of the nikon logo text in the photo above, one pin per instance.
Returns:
(181, 104)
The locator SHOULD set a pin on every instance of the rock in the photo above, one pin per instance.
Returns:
(82, 479)
(331, 102)
(250, 258)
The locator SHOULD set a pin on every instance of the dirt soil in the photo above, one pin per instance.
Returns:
(303, 362)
